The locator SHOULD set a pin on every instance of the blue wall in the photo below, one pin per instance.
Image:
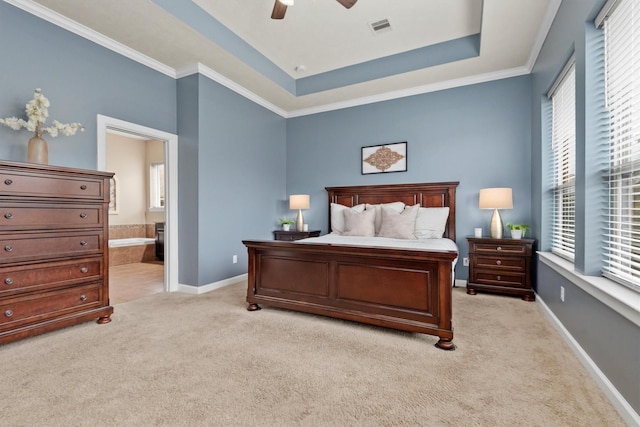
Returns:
(478, 135)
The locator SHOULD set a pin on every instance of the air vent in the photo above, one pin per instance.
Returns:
(380, 26)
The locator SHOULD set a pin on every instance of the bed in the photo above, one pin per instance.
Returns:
(401, 288)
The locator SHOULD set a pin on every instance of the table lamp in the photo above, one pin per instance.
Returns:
(299, 201)
(496, 198)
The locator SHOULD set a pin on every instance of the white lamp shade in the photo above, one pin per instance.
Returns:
(496, 198)
(299, 201)
(286, 2)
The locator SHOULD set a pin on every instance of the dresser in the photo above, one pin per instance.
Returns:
(501, 266)
(290, 236)
(53, 248)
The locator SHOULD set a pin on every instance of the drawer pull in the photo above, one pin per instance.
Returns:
(83, 187)
(83, 215)
(83, 298)
(83, 243)
(498, 262)
(499, 248)
(8, 215)
(8, 181)
(84, 269)
(8, 313)
(8, 248)
(8, 281)
(499, 277)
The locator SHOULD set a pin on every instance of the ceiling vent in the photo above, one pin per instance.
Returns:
(380, 26)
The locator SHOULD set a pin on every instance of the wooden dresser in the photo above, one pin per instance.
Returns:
(500, 266)
(53, 248)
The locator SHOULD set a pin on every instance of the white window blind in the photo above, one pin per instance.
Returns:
(622, 68)
(563, 139)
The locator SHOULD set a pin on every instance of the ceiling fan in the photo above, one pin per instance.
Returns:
(280, 7)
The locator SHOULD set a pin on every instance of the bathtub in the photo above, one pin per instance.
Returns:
(133, 241)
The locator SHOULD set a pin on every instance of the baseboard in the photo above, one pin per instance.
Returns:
(623, 407)
(460, 283)
(198, 290)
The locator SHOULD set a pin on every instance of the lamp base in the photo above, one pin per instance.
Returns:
(299, 221)
(495, 227)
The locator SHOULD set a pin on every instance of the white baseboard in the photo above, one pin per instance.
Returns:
(198, 290)
(460, 283)
(623, 407)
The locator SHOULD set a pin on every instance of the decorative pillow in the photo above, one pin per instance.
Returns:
(396, 206)
(399, 225)
(337, 216)
(430, 223)
(359, 223)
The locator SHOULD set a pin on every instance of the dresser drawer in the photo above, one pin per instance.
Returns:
(32, 277)
(40, 306)
(53, 186)
(484, 277)
(38, 216)
(498, 248)
(498, 262)
(40, 246)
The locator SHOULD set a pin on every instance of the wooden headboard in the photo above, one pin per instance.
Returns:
(434, 194)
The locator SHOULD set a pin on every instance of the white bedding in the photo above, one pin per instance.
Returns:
(419, 244)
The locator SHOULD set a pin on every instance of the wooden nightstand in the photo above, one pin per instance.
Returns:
(500, 266)
(290, 236)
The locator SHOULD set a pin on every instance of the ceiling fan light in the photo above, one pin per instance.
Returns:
(286, 2)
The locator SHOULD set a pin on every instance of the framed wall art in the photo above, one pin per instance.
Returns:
(384, 158)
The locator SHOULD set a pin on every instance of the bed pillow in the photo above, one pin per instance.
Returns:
(397, 206)
(399, 225)
(337, 216)
(359, 223)
(430, 223)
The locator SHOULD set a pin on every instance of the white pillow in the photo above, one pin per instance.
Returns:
(430, 222)
(396, 206)
(337, 216)
(359, 223)
(399, 225)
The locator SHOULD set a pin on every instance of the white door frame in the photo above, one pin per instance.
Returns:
(171, 184)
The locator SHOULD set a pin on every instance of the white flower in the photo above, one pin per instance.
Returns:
(37, 113)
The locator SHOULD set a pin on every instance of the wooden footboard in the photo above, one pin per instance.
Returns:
(401, 289)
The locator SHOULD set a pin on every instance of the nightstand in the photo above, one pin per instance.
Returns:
(500, 266)
(290, 236)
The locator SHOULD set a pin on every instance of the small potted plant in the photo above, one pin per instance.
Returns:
(518, 231)
(286, 223)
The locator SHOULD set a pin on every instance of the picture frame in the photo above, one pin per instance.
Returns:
(384, 158)
(113, 196)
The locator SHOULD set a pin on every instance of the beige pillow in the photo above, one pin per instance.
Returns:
(337, 216)
(396, 206)
(359, 223)
(430, 222)
(399, 225)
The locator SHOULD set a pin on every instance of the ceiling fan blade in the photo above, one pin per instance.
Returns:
(347, 3)
(279, 10)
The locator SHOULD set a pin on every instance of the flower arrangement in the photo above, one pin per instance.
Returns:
(37, 112)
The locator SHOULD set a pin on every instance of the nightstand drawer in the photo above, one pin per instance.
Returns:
(498, 262)
(498, 248)
(499, 279)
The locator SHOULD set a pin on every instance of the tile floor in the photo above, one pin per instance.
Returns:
(132, 281)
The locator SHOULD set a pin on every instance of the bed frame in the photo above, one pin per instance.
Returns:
(401, 289)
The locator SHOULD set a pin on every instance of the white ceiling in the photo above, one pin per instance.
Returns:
(182, 37)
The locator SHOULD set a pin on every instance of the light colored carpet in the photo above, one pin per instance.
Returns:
(185, 360)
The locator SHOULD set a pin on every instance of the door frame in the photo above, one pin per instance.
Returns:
(171, 185)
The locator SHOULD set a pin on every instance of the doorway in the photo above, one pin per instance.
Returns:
(109, 125)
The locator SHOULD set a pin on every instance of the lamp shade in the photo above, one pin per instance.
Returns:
(496, 198)
(299, 201)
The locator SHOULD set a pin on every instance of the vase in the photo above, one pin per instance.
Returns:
(516, 234)
(37, 151)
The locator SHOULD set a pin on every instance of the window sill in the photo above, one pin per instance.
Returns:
(619, 298)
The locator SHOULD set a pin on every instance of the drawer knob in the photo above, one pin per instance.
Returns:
(499, 248)
(8, 281)
(8, 215)
(84, 269)
(499, 277)
(8, 181)
(83, 243)
(498, 262)
(83, 187)
(83, 215)
(8, 248)
(8, 313)
(83, 298)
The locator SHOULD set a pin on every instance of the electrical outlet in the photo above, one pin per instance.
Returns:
(235, 259)
(562, 293)
(465, 262)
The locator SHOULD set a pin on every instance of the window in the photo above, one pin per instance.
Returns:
(622, 67)
(156, 186)
(563, 140)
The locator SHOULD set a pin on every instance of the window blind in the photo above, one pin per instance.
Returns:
(563, 139)
(622, 69)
